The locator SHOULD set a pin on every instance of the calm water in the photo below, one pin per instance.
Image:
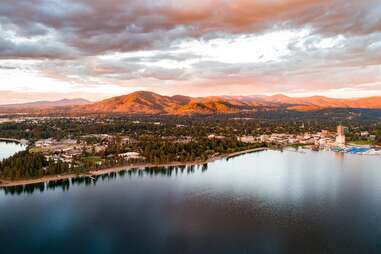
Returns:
(9, 148)
(267, 202)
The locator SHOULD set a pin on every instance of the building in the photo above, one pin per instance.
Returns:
(247, 139)
(340, 138)
(212, 136)
(263, 138)
(340, 130)
(130, 155)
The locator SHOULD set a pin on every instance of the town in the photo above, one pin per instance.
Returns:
(92, 142)
(323, 140)
(95, 149)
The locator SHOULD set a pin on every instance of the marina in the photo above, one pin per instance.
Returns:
(358, 150)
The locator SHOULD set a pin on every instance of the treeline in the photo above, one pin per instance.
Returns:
(152, 150)
(156, 151)
(30, 165)
(201, 150)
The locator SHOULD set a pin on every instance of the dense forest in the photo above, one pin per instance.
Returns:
(156, 151)
(30, 165)
(162, 152)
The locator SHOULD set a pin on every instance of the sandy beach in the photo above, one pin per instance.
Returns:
(6, 183)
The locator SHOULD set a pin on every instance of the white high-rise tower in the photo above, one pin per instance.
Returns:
(340, 138)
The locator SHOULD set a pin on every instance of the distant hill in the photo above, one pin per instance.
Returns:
(145, 102)
(43, 105)
(209, 107)
(321, 102)
(141, 102)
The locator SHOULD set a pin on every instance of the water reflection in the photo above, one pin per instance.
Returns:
(92, 180)
(8, 148)
(268, 202)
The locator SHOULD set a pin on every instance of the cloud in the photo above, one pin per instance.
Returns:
(95, 27)
(37, 49)
(2, 67)
(166, 45)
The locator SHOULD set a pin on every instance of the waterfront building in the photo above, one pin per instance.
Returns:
(340, 130)
(340, 138)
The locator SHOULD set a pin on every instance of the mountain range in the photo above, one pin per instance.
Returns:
(145, 102)
(40, 105)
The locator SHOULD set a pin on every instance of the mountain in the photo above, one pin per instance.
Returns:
(39, 105)
(321, 102)
(145, 102)
(208, 107)
(140, 102)
(48, 104)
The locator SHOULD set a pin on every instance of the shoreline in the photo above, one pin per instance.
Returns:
(15, 183)
(18, 141)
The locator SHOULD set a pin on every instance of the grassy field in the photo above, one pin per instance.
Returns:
(362, 142)
(35, 150)
(93, 159)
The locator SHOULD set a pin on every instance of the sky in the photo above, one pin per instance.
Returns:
(95, 49)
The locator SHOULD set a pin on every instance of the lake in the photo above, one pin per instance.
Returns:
(265, 202)
(9, 148)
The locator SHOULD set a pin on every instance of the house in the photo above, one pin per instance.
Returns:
(247, 139)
